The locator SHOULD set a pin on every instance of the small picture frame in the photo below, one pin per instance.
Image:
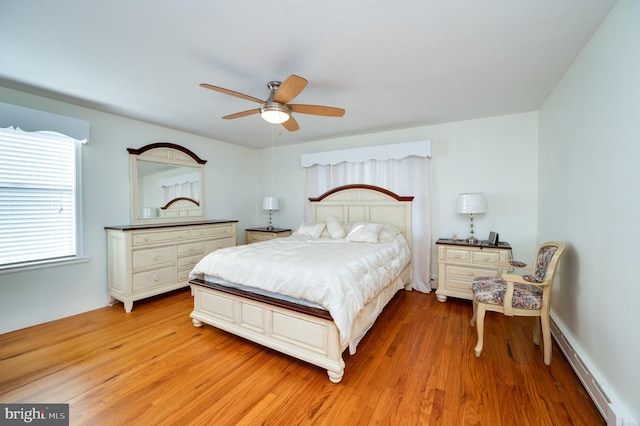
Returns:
(494, 239)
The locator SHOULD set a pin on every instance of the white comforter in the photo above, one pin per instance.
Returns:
(338, 275)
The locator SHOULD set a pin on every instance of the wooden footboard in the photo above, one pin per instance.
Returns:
(306, 337)
(309, 335)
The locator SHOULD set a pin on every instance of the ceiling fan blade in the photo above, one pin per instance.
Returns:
(317, 110)
(291, 124)
(289, 89)
(231, 92)
(242, 114)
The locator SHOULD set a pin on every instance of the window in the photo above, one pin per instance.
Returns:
(39, 197)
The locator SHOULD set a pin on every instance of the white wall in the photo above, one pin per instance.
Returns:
(33, 297)
(496, 156)
(589, 196)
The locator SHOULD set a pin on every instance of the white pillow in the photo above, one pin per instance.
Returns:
(387, 233)
(335, 228)
(364, 232)
(313, 230)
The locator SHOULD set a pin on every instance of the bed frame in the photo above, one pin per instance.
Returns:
(306, 334)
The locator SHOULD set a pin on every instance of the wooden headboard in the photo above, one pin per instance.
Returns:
(366, 203)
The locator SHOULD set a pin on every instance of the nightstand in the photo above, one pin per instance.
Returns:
(255, 235)
(459, 262)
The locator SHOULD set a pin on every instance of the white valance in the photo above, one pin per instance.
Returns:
(32, 120)
(180, 179)
(396, 151)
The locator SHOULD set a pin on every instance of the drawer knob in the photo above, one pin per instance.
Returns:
(156, 257)
(457, 256)
(471, 274)
(157, 279)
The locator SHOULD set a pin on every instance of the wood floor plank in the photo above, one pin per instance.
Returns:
(415, 366)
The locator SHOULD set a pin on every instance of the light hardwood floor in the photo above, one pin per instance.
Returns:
(416, 366)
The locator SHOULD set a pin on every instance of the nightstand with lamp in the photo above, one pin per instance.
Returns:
(254, 235)
(460, 261)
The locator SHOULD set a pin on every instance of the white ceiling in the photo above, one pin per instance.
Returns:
(390, 64)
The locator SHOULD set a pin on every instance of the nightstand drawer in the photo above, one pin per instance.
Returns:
(485, 257)
(256, 235)
(457, 255)
(467, 273)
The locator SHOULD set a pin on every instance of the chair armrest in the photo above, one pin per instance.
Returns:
(515, 278)
(511, 264)
(501, 264)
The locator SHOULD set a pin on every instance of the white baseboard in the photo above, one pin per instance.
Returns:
(611, 412)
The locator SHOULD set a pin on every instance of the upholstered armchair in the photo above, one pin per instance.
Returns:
(519, 295)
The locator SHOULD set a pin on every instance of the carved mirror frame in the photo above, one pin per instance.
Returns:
(165, 161)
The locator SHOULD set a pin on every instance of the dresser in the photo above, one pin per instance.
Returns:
(459, 262)
(147, 260)
(255, 235)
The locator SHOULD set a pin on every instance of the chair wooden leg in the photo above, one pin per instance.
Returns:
(546, 339)
(480, 311)
(475, 308)
(536, 330)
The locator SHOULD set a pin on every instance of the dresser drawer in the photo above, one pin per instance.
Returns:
(213, 231)
(154, 278)
(188, 262)
(191, 248)
(141, 239)
(152, 257)
(214, 245)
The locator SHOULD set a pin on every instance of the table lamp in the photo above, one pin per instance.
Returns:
(471, 203)
(270, 204)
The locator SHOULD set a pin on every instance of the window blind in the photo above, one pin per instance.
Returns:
(37, 196)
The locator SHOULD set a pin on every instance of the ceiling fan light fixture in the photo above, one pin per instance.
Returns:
(274, 113)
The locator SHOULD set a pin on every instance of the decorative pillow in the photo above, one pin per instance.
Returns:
(313, 230)
(364, 232)
(335, 228)
(387, 233)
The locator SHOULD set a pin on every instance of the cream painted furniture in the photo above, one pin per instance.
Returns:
(167, 184)
(146, 260)
(293, 329)
(459, 262)
(255, 235)
(520, 295)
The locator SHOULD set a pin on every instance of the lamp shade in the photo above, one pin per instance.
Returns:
(270, 203)
(471, 203)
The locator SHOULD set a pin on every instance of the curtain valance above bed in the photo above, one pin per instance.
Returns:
(396, 151)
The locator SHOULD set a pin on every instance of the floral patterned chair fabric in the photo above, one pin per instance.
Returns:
(519, 295)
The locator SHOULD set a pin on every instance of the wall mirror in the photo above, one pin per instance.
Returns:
(167, 184)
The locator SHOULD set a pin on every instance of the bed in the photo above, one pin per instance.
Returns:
(228, 295)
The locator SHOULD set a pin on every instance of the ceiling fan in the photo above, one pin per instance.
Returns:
(277, 109)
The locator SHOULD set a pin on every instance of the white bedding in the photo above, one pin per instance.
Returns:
(339, 275)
